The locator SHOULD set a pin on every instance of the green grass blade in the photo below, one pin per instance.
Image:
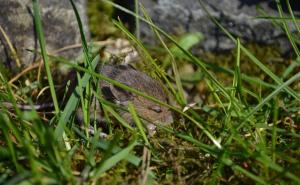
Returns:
(103, 144)
(138, 123)
(237, 82)
(72, 102)
(278, 18)
(294, 64)
(5, 126)
(180, 93)
(83, 38)
(118, 117)
(39, 31)
(113, 160)
(294, 19)
(137, 21)
(249, 174)
(286, 29)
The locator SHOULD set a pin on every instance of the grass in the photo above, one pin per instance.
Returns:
(232, 126)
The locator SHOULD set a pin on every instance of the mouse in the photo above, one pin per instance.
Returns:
(138, 80)
(150, 111)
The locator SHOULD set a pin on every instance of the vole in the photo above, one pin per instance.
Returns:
(142, 82)
(147, 109)
(133, 78)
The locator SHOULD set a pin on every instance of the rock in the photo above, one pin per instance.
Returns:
(238, 16)
(59, 25)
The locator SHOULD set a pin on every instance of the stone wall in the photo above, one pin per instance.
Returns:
(59, 24)
(238, 16)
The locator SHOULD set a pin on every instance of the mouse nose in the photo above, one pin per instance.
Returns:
(168, 119)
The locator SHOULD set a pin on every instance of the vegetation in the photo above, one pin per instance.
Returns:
(237, 122)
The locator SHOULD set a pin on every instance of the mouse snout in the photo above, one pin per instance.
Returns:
(169, 118)
(166, 118)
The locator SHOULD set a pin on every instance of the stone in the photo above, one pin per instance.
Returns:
(59, 25)
(238, 16)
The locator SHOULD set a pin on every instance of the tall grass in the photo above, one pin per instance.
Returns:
(234, 138)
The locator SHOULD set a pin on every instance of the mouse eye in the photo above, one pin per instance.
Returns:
(155, 108)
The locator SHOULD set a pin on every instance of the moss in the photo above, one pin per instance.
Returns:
(99, 15)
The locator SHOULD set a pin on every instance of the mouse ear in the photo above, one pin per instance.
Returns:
(121, 94)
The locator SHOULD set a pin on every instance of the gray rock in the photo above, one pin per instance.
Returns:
(59, 25)
(238, 16)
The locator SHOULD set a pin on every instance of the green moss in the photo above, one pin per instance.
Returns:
(99, 15)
